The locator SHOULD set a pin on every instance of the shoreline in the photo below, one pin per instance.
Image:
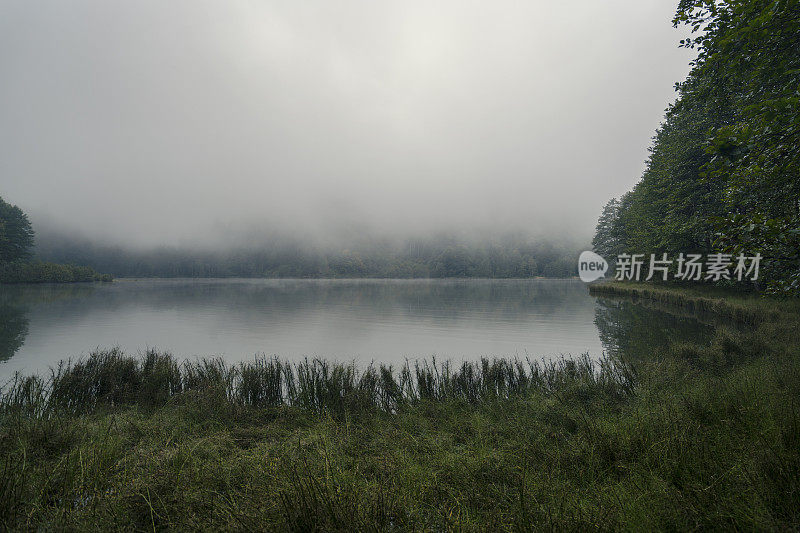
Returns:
(612, 445)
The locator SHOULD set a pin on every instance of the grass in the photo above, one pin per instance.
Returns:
(740, 306)
(699, 436)
(110, 378)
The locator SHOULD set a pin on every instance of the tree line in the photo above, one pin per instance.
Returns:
(723, 174)
(432, 258)
(54, 258)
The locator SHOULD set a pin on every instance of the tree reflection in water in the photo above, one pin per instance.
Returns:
(13, 329)
(15, 304)
(636, 330)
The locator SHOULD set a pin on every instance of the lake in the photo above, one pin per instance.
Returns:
(384, 321)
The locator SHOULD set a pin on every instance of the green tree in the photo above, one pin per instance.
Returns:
(16, 233)
(750, 47)
(606, 240)
(724, 169)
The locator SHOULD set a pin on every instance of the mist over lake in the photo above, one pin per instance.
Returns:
(399, 265)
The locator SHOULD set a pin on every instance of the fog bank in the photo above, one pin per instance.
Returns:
(200, 123)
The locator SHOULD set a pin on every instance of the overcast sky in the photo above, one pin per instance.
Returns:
(186, 121)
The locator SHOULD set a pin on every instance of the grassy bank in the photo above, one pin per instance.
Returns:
(697, 436)
(742, 306)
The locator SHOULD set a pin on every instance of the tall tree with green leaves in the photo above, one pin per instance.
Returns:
(752, 47)
(724, 168)
(16, 233)
(607, 241)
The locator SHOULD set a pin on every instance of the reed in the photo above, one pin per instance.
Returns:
(108, 378)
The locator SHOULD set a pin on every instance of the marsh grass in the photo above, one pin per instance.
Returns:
(109, 378)
(699, 436)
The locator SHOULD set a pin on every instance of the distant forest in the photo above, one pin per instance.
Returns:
(724, 168)
(435, 258)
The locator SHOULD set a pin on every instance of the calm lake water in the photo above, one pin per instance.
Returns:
(362, 320)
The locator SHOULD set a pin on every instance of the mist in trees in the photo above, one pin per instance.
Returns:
(434, 257)
(17, 264)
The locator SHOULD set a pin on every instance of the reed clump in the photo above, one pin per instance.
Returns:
(109, 378)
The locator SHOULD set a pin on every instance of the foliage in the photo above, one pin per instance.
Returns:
(443, 257)
(39, 272)
(607, 242)
(724, 169)
(16, 242)
(16, 233)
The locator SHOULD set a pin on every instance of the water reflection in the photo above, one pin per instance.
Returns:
(362, 320)
(13, 329)
(16, 302)
(635, 330)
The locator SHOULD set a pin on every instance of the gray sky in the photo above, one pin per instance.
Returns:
(190, 121)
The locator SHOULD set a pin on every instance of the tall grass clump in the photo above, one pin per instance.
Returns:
(261, 382)
(161, 378)
(211, 375)
(111, 378)
(105, 377)
(24, 396)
